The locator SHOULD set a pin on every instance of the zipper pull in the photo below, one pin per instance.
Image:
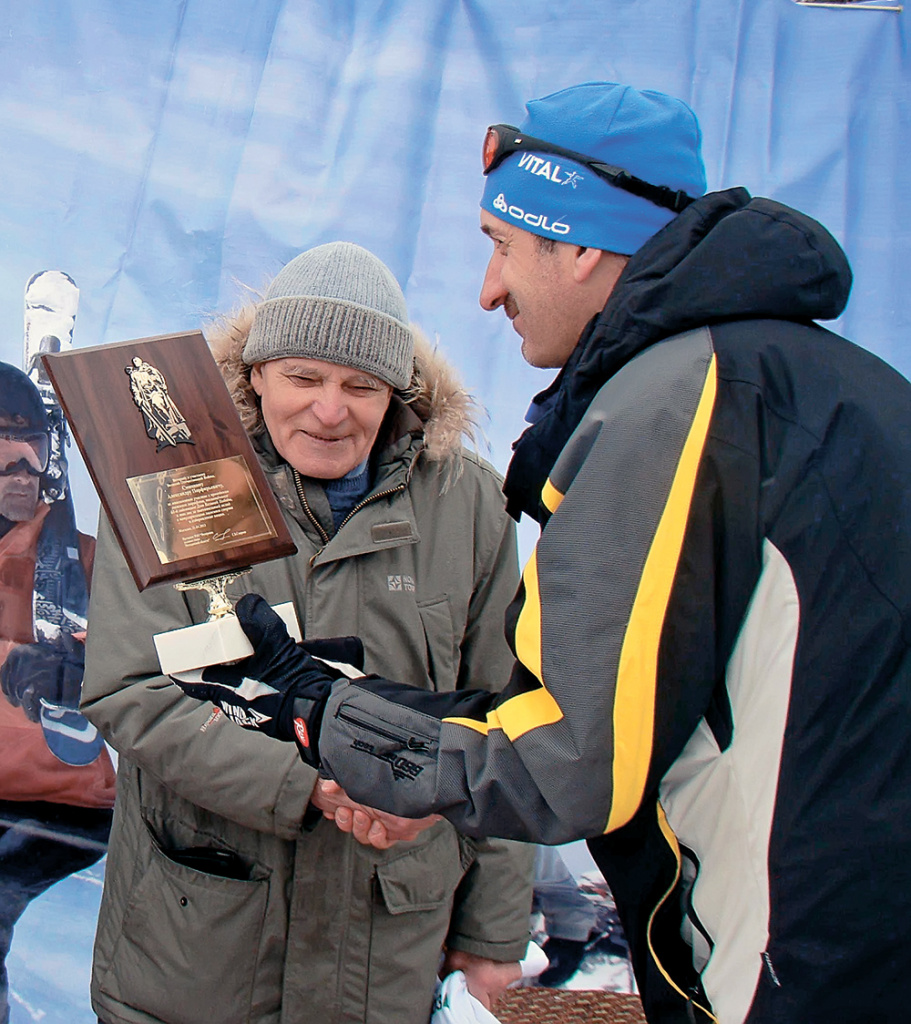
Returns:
(773, 977)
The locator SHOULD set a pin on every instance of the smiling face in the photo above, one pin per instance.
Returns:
(323, 418)
(536, 288)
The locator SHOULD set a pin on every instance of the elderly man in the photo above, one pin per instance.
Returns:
(227, 896)
(713, 671)
(56, 778)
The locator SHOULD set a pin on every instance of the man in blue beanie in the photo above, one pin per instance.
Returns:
(712, 680)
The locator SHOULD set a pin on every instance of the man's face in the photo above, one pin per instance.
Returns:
(535, 287)
(23, 457)
(19, 495)
(323, 418)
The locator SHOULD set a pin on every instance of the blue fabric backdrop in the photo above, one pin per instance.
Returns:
(168, 154)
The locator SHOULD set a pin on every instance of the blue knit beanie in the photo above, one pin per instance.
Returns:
(650, 135)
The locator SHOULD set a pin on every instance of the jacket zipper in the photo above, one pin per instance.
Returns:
(305, 505)
(299, 485)
(410, 743)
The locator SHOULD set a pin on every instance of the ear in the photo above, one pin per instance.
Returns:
(256, 378)
(585, 263)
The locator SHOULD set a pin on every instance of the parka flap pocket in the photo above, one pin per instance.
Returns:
(442, 647)
(425, 876)
(176, 916)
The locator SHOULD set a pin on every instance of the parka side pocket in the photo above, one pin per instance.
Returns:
(177, 918)
(426, 874)
(439, 635)
(414, 894)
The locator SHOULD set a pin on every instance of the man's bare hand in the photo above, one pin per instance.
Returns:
(369, 826)
(487, 979)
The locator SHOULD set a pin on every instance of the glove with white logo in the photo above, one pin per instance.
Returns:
(281, 689)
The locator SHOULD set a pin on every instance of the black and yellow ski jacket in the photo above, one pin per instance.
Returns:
(712, 680)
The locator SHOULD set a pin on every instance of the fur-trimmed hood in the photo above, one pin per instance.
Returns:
(445, 412)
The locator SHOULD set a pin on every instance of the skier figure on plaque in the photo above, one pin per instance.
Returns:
(164, 421)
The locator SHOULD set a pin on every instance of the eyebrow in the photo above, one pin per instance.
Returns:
(301, 368)
(355, 377)
(494, 234)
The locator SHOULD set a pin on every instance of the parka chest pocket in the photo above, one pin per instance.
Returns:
(177, 915)
(442, 644)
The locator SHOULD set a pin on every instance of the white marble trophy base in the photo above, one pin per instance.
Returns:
(213, 643)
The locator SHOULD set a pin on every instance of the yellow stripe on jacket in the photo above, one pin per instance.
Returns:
(634, 698)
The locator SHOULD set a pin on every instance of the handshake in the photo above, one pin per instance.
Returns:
(369, 826)
(281, 690)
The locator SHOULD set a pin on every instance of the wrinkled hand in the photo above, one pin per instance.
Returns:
(487, 979)
(280, 689)
(49, 670)
(369, 826)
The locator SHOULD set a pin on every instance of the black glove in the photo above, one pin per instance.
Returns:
(280, 689)
(564, 958)
(48, 669)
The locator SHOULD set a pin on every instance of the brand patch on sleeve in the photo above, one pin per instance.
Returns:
(300, 731)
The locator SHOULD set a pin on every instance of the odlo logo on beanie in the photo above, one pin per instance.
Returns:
(533, 220)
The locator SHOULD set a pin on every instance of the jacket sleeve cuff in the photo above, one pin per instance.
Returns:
(503, 952)
(491, 915)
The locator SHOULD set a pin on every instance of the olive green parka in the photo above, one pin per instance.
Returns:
(317, 928)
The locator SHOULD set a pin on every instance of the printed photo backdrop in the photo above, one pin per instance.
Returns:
(171, 156)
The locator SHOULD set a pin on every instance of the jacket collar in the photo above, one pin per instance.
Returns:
(726, 257)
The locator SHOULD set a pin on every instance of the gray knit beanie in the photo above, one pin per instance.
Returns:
(340, 303)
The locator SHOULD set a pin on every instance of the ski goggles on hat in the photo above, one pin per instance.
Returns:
(503, 139)
(32, 450)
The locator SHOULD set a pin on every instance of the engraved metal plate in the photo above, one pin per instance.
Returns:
(199, 509)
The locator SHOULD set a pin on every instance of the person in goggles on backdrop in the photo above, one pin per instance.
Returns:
(712, 677)
(56, 777)
(24, 457)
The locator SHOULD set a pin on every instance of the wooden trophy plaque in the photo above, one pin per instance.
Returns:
(172, 464)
